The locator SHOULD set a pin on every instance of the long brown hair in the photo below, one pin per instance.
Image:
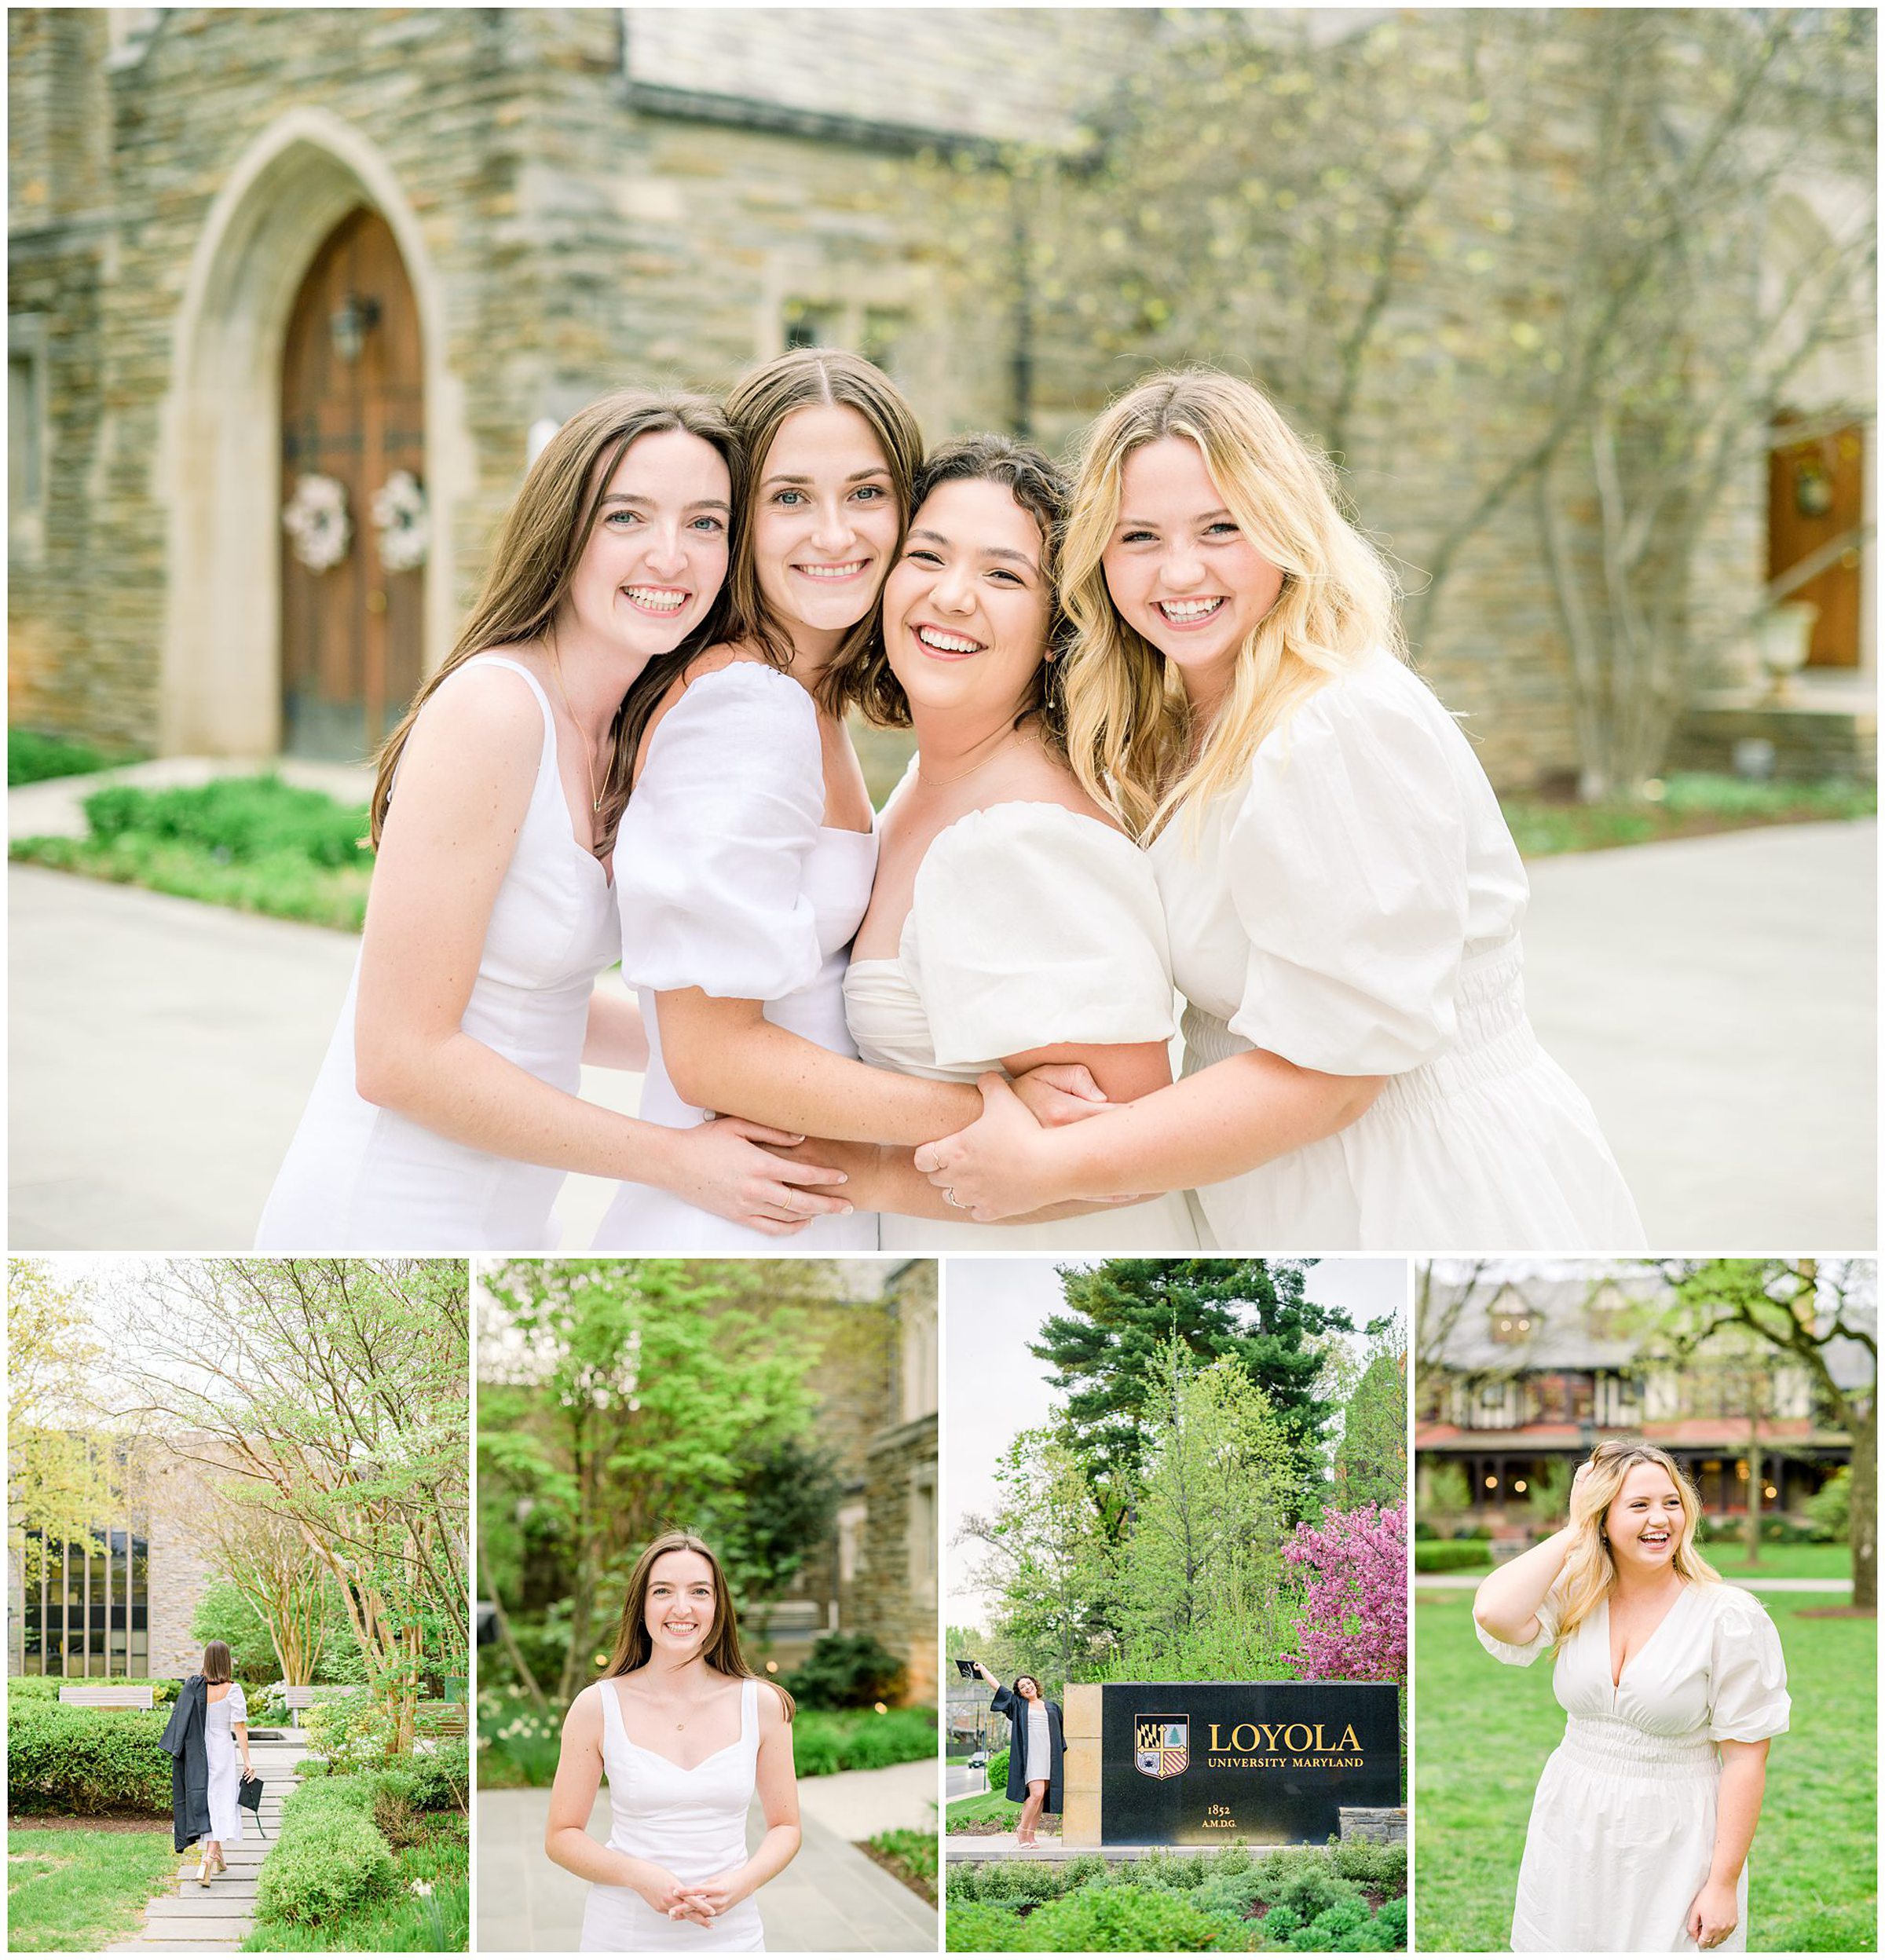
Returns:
(541, 542)
(217, 1665)
(722, 1651)
(864, 679)
(1590, 1572)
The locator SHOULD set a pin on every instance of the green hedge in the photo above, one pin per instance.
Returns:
(824, 1742)
(44, 1688)
(331, 1862)
(1449, 1554)
(84, 1761)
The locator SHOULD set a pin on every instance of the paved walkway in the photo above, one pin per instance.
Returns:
(830, 1899)
(189, 1919)
(1715, 997)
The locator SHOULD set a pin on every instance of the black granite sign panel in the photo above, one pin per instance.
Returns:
(1273, 1762)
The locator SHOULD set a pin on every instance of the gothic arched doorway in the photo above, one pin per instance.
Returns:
(352, 422)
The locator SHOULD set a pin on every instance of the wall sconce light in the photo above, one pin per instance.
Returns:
(352, 321)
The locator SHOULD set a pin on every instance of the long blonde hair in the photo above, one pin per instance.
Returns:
(541, 542)
(721, 1649)
(1129, 730)
(1590, 1572)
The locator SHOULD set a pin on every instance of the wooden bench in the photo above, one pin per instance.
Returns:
(442, 1718)
(299, 1699)
(108, 1695)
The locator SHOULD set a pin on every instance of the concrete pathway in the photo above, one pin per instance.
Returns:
(1715, 997)
(1469, 1582)
(830, 1899)
(190, 1919)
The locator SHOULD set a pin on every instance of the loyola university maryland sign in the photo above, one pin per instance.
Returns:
(1273, 1762)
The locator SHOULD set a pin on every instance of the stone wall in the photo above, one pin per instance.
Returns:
(182, 1568)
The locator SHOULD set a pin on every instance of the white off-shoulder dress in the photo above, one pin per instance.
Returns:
(729, 879)
(1354, 907)
(358, 1178)
(227, 1821)
(689, 1822)
(1623, 1827)
(1029, 925)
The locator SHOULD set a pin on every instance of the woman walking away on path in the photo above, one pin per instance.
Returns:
(221, 1734)
(1672, 1684)
(689, 1735)
(1036, 1749)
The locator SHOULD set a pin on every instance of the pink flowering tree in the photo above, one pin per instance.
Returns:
(1353, 1625)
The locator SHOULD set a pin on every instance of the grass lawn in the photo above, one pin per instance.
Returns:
(909, 1854)
(1484, 1732)
(992, 1809)
(1690, 805)
(75, 1891)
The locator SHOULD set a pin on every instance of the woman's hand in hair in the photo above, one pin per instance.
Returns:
(723, 1167)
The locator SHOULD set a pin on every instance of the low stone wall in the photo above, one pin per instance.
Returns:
(1375, 1826)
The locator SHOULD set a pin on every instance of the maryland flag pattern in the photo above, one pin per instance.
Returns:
(1162, 1744)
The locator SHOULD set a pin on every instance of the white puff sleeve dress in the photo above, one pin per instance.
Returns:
(1030, 925)
(1623, 1827)
(729, 880)
(224, 1763)
(1354, 906)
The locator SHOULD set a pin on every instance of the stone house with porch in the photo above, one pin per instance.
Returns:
(336, 266)
(1524, 1376)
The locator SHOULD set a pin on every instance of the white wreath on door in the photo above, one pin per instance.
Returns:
(316, 518)
(401, 516)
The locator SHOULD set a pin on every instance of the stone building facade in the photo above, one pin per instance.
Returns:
(570, 198)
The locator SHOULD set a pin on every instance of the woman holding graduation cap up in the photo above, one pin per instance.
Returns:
(1036, 1749)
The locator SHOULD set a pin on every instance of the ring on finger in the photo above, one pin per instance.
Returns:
(950, 1193)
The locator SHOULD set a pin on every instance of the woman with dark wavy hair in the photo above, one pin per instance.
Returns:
(688, 1735)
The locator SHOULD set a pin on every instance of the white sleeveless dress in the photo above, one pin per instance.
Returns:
(358, 1178)
(227, 1817)
(1354, 907)
(728, 880)
(1621, 1833)
(1029, 924)
(689, 1822)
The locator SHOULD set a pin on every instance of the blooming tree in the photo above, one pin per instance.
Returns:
(1353, 1625)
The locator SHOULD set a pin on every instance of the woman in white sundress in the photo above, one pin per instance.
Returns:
(1342, 896)
(1672, 1685)
(747, 849)
(1012, 922)
(226, 1741)
(687, 1736)
(446, 1114)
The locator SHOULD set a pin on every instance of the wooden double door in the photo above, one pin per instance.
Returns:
(353, 413)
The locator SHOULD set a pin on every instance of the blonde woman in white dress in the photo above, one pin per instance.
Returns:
(746, 852)
(446, 1115)
(687, 1736)
(225, 1743)
(1342, 896)
(1672, 1685)
(1012, 924)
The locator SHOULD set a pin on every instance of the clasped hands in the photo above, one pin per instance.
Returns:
(702, 1902)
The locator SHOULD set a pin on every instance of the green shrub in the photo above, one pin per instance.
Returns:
(329, 1796)
(441, 1774)
(350, 1731)
(1127, 1918)
(846, 1670)
(1829, 1509)
(86, 1761)
(977, 1929)
(332, 1861)
(32, 757)
(1384, 1866)
(1448, 1555)
(1392, 1920)
(225, 1613)
(235, 820)
(1229, 1893)
(824, 1742)
(997, 1771)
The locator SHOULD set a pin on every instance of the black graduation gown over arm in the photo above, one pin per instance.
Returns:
(1009, 1703)
(182, 1741)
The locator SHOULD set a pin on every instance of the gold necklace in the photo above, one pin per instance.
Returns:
(556, 674)
(962, 776)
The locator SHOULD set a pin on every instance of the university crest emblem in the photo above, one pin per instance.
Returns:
(1161, 1744)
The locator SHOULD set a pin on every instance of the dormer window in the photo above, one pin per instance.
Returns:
(1513, 1326)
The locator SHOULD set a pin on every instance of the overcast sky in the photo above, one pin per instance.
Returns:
(994, 1386)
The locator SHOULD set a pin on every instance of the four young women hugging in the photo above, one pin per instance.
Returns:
(207, 1741)
(687, 1735)
(1672, 1684)
(1222, 771)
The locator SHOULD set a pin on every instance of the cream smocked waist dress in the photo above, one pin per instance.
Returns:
(1622, 1832)
(1030, 925)
(1354, 907)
